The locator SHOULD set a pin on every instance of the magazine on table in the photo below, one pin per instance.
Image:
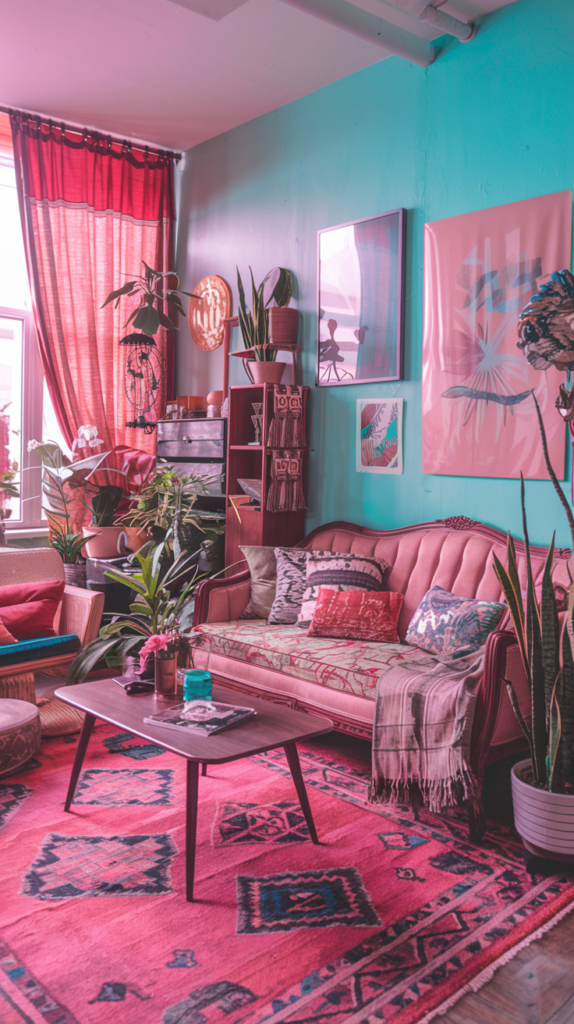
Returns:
(201, 717)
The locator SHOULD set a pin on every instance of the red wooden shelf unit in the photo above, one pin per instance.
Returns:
(250, 524)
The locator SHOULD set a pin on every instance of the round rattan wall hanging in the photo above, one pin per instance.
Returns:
(207, 313)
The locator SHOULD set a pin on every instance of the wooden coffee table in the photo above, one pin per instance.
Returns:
(273, 726)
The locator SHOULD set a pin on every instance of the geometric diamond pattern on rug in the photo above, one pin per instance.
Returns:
(71, 866)
(400, 840)
(111, 786)
(11, 797)
(118, 744)
(282, 822)
(303, 899)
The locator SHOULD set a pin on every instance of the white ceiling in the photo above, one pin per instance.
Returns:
(158, 71)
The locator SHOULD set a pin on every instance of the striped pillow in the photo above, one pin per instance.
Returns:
(338, 572)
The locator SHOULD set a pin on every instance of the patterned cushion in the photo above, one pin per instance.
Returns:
(291, 564)
(357, 615)
(354, 666)
(446, 624)
(339, 572)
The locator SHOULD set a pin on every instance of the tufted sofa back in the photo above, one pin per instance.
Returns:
(455, 554)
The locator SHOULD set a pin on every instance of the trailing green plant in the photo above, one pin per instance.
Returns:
(151, 287)
(254, 324)
(165, 508)
(155, 610)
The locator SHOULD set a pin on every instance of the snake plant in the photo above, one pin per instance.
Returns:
(545, 646)
(254, 325)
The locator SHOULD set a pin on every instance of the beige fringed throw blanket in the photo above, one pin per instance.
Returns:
(421, 734)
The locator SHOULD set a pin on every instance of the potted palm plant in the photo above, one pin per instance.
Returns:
(162, 588)
(254, 324)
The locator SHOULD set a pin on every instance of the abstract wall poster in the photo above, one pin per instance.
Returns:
(380, 435)
(361, 269)
(480, 270)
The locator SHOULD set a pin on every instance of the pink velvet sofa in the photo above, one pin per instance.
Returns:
(338, 678)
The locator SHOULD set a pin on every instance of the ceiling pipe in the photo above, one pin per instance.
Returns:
(463, 30)
(367, 26)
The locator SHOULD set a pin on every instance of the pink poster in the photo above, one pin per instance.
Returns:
(480, 270)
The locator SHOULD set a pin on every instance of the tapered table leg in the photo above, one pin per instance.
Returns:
(204, 769)
(293, 762)
(79, 758)
(191, 826)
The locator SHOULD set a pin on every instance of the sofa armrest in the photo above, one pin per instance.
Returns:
(222, 600)
(494, 719)
(81, 613)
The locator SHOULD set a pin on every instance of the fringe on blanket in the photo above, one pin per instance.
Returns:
(434, 794)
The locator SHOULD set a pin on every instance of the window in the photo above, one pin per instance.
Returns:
(26, 411)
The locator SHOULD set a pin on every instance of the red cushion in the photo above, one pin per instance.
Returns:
(5, 636)
(357, 615)
(28, 609)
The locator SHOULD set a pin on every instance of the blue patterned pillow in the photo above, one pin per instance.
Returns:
(446, 624)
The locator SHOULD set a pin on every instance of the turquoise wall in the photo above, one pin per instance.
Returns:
(488, 123)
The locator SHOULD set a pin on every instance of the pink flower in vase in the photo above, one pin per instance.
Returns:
(157, 642)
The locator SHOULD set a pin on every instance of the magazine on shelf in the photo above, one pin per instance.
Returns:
(201, 717)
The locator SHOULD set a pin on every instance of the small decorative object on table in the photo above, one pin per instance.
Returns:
(196, 682)
(164, 648)
(202, 717)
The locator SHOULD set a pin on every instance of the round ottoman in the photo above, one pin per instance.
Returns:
(19, 733)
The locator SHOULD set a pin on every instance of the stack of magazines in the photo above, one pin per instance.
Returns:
(201, 717)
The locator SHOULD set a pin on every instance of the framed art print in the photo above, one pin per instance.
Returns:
(480, 270)
(380, 435)
(361, 269)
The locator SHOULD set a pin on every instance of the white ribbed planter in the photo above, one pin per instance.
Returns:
(545, 821)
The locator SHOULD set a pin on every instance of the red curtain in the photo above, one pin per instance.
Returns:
(92, 210)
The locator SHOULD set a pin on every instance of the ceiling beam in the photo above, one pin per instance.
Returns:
(369, 27)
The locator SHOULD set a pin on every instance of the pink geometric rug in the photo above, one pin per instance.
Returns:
(389, 919)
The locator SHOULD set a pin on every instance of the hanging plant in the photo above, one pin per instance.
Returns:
(148, 316)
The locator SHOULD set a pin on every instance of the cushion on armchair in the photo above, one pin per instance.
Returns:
(446, 624)
(38, 648)
(5, 635)
(28, 610)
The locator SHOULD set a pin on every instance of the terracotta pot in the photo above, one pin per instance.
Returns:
(283, 325)
(103, 541)
(266, 373)
(136, 537)
(544, 821)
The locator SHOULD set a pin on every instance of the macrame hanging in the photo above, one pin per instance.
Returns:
(287, 429)
(286, 491)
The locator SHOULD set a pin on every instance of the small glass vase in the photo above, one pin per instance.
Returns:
(165, 677)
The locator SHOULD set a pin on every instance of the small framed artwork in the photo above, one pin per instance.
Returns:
(361, 270)
(380, 435)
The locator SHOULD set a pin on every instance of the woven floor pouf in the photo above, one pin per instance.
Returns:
(19, 733)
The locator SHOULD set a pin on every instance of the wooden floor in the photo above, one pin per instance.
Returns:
(537, 986)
